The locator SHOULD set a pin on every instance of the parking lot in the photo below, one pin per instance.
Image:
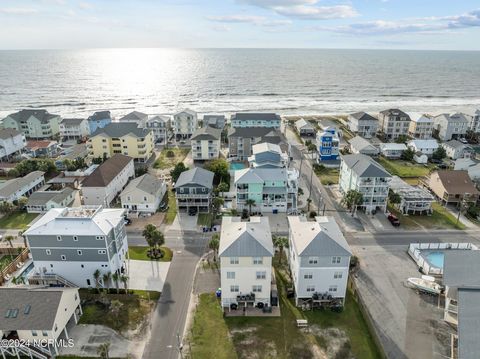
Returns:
(409, 324)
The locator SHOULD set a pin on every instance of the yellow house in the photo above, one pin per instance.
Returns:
(124, 138)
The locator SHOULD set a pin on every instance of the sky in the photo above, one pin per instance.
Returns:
(370, 24)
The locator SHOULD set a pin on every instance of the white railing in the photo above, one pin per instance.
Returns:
(49, 278)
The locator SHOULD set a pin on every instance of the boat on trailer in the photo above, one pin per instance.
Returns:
(426, 284)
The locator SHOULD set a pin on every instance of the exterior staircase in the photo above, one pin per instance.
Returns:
(51, 280)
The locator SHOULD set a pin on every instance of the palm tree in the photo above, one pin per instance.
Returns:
(217, 203)
(309, 201)
(154, 238)
(214, 244)
(106, 280)
(223, 187)
(124, 280)
(103, 350)
(115, 306)
(116, 278)
(96, 276)
(10, 239)
(250, 202)
(351, 199)
(280, 243)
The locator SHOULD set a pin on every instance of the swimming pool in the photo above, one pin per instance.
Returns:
(435, 258)
(26, 272)
(234, 166)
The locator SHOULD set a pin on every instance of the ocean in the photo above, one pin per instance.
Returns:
(286, 81)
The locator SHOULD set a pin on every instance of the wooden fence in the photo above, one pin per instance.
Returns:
(12, 267)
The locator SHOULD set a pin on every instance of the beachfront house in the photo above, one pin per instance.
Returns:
(393, 123)
(245, 252)
(205, 143)
(413, 199)
(270, 120)
(305, 128)
(360, 145)
(159, 127)
(184, 124)
(74, 128)
(99, 120)
(69, 244)
(36, 320)
(427, 147)
(475, 124)
(215, 121)
(328, 147)
(37, 124)
(139, 118)
(453, 187)
(12, 143)
(421, 126)
(242, 139)
(43, 201)
(107, 181)
(12, 189)
(362, 124)
(392, 150)
(455, 149)
(319, 259)
(448, 127)
(268, 155)
(194, 189)
(271, 189)
(122, 138)
(361, 173)
(143, 195)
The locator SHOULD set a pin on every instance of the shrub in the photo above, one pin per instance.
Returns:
(313, 214)
(170, 154)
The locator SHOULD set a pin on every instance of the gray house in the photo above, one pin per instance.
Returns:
(194, 189)
(268, 155)
(42, 201)
(362, 124)
(137, 117)
(241, 140)
(305, 128)
(449, 127)
(361, 145)
(216, 121)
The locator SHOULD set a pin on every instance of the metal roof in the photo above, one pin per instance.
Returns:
(468, 319)
(260, 175)
(364, 166)
(461, 268)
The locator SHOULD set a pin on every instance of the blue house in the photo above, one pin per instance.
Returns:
(99, 120)
(327, 142)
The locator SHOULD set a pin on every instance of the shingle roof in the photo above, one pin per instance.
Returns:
(206, 133)
(461, 268)
(11, 186)
(363, 116)
(245, 239)
(100, 115)
(457, 182)
(247, 116)
(266, 146)
(453, 144)
(35, 145)
(364, 166)
(43, 302)
(6, 133)
(260, 175)
(197, 176)
(320, 238)
(214, 120)
(468, 318)
(41, 198)
(395, 112)
(72, 121)
(146, 183)
(424, 144)
(107, 171)
(134, 116)
(159, 118)
(23, 115)
(302, 123)
(362, 144)
(420, 117)
(120, 129)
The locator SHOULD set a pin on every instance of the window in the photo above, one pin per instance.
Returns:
(308, 276)
(56, 327)
(312, 260)
(48, 251)
(336, 260)
(144, 198)
(233, 260)
(332, 288)
(59, 238)
(75, 238)
(230, 275)
(34, 333)
(82, 266)
(256, 288)
(234, 289)
(79, 252)
(102, 251)
(99, 238)
(44, 333)
(338, 275)
(64, 257)
(310, 288)
(88, 282)
(261, 275)
(257, 260)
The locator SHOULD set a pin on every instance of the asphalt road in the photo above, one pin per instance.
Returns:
(170, 314)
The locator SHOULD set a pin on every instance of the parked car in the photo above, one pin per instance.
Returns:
(192, 211)
(393, 220)
(127, 221)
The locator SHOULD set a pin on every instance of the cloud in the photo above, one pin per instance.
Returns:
(470, 19)
(304, 9)
(17, 11)
(249, 19)
(85, 5)
(221, 28)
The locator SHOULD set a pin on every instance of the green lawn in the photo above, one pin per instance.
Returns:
(17, 220)
(327, 176)
(140, 253)
(163, 161)
(212, 335)
(133, 314)
(205, 219)
(440, 219)
(172, 208)
(404, 168)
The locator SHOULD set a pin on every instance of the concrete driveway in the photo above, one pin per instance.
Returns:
(147, 275)
(185, 222)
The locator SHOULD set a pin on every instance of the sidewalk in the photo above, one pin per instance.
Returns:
(464, 220)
